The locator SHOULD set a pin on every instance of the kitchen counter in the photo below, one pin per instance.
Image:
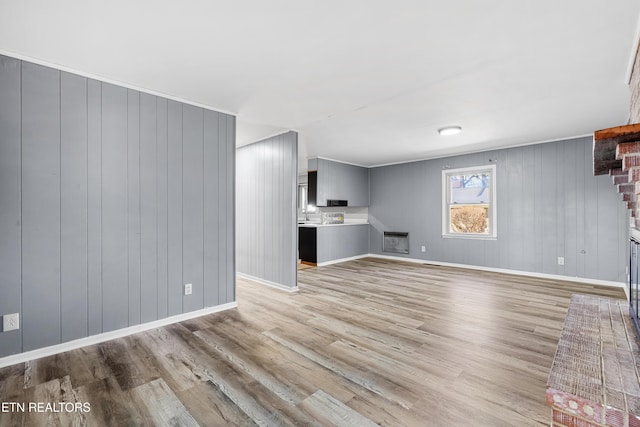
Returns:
(318, 225)
(323, 244)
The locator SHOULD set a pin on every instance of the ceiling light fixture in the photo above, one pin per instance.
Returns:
(449, 130)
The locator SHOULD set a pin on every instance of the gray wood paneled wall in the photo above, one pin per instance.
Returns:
(549, 205)
(267, 234)
(110, 201)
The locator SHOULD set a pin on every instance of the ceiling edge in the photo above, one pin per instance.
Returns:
(634, 52)
(114, 82)
(444, 156)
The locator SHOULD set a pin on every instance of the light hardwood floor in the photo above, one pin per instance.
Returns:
(364, 342)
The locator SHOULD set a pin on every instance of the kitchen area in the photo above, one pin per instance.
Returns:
(333, 200)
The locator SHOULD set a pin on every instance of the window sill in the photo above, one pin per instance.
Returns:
(469, 236)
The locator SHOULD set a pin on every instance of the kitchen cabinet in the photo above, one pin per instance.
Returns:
(342, 241)
(319, 244)
(338, 181)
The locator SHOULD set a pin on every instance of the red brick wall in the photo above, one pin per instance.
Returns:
(634, 85)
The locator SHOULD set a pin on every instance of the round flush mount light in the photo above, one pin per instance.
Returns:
(449, 130)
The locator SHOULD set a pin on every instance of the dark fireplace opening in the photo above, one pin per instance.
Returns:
(395, 242)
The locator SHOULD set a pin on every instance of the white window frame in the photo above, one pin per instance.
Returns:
(493, 206)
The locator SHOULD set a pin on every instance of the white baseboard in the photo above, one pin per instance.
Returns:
(337, 261)
(107, 336)
(275, 285)
(96, 339)
(507, 271)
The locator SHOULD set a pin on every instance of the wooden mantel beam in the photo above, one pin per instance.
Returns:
(605, 142)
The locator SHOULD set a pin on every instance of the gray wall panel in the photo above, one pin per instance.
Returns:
(570, 250)
(230, 203)
(583, 155)
(133, 204)
(222, 217)
(10, 212)
(94, 188)
(94, 206)
(610, 254)
(529, 206)
(549, 205)
(290, 194)
(115, 242)
(561, 191)
(266, 215)
(270, 192)
(148, 209)
(40, 206)
(538, 192)
(514, 232)
(211, 197)
(193, 199)
(282, 208)
(73, 206)
(548, 211)
(174, 210)
(591, 224)
(163, 225)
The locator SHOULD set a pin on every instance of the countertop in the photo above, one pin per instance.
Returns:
(318, 225)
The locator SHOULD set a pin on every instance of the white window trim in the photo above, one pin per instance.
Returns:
(493, 204)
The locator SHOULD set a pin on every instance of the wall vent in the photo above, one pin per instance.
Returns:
(396, 242)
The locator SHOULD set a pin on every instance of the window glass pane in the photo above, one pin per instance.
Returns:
(468, 196)
(469, 189)
(469, 219)
(302, 197)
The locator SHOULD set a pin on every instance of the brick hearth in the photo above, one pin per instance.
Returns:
(594, 377)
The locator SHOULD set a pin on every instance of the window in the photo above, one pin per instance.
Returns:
(469, 202)
(302, 197)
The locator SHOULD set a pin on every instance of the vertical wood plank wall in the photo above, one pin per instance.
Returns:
(267, 240)
(549, 205)
(41, 321)
(110, 200)
(10, 198)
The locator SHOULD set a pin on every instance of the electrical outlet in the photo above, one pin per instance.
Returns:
(10, 322)
(188, 289)
(560, 260)
(423, 248)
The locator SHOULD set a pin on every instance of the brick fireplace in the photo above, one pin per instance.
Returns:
(616, 151)
(594, 380)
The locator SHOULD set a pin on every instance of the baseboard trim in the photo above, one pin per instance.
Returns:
(337, 261)
(584, 280)
(269, 283)
(107, 336)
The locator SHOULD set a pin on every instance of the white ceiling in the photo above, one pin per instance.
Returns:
(362, 81)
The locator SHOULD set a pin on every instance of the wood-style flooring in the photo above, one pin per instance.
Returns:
(364, 342)
(305, 265)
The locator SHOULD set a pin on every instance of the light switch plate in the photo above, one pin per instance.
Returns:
(10, 322)
(188, 289)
